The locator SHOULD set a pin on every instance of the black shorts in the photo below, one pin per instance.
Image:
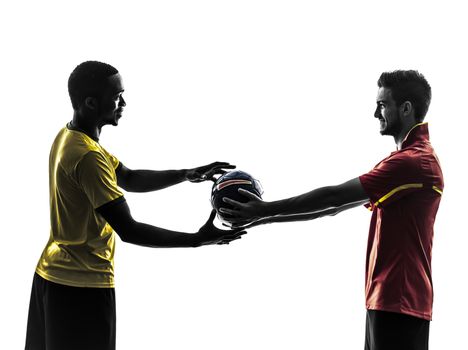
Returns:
(70, 318)
(391, 331)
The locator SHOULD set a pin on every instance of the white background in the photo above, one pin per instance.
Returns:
(283, 89)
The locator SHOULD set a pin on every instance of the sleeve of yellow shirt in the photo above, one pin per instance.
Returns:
(96, 175)
(114, 161)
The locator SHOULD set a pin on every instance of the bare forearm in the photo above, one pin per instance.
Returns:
(152, 180)
(152, 236)
(319, 199)
(289, 218)
(313, 201)
(301, 217)
(306, 216)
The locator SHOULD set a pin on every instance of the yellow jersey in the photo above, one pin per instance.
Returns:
(80, 250)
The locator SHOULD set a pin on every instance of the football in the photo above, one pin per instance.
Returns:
(227, 185)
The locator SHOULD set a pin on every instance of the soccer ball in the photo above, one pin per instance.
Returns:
(227, 185)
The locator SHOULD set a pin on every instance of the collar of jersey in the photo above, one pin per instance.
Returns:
(418, 133)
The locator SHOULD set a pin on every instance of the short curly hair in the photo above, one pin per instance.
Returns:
(88, 79)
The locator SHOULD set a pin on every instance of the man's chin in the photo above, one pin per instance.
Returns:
(115, 121)
(387, 129)
(112, 122)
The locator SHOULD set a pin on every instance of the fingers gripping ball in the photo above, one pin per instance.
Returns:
(228, 185)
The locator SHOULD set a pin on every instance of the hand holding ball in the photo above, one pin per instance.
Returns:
(228, 185)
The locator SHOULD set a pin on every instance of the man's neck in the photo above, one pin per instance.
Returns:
(401, 137)
(78, 124)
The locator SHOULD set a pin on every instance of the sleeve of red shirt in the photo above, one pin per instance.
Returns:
(392, 179)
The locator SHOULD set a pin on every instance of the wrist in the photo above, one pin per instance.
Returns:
(183, 173)
(266, 209)
(195, 240)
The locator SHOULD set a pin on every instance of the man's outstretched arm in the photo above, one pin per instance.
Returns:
(117, 214)
(305, 216)
(153, 180)
(314, 201)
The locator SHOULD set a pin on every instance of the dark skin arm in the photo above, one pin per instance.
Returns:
(320, 199)
(152, 180)
(117, 214)
(305, 216)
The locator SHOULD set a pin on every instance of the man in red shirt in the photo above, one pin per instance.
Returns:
(403, 191)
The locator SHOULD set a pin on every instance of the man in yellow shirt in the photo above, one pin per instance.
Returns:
(73, 299)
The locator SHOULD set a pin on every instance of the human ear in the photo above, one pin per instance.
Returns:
(90, 102)
(406, 108)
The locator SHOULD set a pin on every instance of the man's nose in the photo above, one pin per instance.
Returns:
(122, 102)
(377, 113)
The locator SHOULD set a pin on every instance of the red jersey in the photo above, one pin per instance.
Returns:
(405, 191)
